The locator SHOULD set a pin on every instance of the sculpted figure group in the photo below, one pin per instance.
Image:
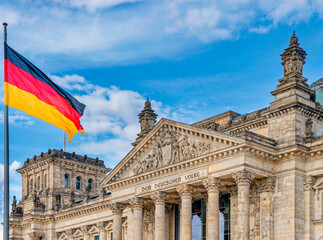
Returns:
(169, 149)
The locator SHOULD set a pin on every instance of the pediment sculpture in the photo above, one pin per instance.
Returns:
(171, 148)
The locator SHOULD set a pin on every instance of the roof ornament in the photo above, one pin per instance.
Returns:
(147, 119)
(293, 40)
(147, 104)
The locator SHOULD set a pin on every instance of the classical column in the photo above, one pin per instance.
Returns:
(86, 234)
(103, 232)
(266, 188)
(243, 179)
(212, 214)
(160, 223)
(137, 205)
(117, 209)
(186, 194)
(309, 207)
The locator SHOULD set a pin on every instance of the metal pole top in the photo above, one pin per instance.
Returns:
(5, 24)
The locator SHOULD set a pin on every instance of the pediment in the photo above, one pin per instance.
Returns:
(167, 144)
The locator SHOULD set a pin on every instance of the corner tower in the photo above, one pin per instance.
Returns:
(147, 119)
(293, 116)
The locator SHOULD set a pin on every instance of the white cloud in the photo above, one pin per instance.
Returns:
(140, 32)
(93, 5)
(111, 116)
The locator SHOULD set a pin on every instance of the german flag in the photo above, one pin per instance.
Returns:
(30, 90)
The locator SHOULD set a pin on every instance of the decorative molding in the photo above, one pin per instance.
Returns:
(137, 203)
(243, 177)
(309, 182)
(212, 184)
(158, 197)
(116, 207)
(185, 191)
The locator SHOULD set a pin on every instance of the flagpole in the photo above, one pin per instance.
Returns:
(6, 153)
(64, 145)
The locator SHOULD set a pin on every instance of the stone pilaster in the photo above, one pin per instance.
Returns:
(243, 179)
(186, 194)
(86, 234)
(212, 217)
(308, 207)
(160, 223)
(103, 232)
(137, 205)
(117, 209)
(267, 188)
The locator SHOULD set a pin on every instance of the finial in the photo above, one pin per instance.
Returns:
(147, 104)
(293, 40)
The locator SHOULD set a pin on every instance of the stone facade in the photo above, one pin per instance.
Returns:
(253, 176)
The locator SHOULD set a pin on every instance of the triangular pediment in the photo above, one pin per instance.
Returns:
(169, 143)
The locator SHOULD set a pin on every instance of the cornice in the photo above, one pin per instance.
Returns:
(81, 210)
(247, 147)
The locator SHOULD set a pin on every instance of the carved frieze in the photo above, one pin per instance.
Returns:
(169, 149)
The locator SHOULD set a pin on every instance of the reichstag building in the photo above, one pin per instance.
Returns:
(233, 176)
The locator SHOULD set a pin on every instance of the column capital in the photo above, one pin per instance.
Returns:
(309, 182)
(243, 177)
(158, 197)
(169, 208)
(212, 184)
(116, 207)
(185, 191)
(137, 203)
(267, 184)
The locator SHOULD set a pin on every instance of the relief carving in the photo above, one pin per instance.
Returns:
(149, 223)
(169, 149)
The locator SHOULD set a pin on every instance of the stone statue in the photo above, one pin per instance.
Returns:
(37, 203)
(308, 128)
(14, 205)
(72, 197)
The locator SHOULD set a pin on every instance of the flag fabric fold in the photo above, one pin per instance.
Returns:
(28, 89)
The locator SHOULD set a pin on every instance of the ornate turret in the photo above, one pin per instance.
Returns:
(293, 61)
(293, 83)
(147, 119)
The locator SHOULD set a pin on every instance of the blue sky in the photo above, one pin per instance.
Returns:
(194, 59)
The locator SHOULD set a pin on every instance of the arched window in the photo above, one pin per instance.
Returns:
(90, 184)
(66, 180)
(78, 183)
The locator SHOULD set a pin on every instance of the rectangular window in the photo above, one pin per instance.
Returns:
(96, 238)
(224, 216)
(111, 238)
(177, 224)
